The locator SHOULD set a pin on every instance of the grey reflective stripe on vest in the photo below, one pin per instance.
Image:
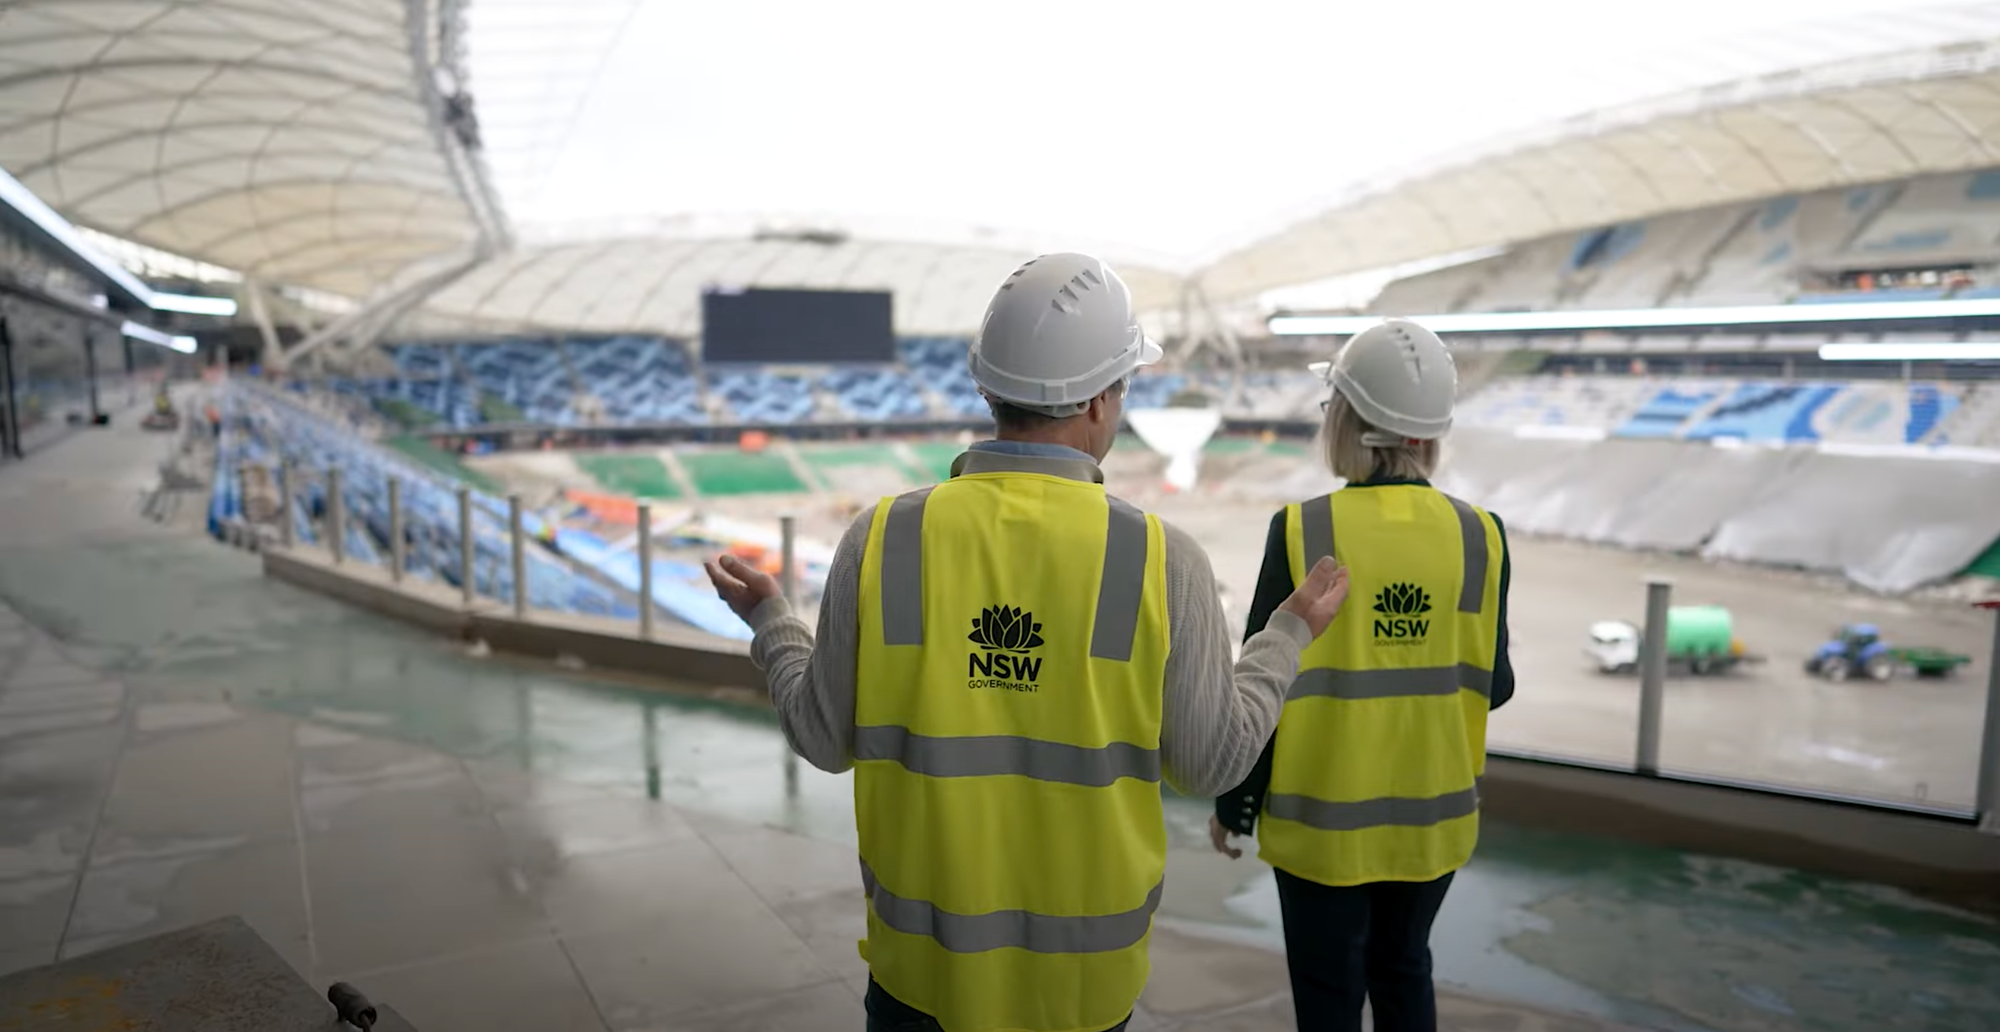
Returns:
(1018, 929)
(1473, 593)
(1121, 589)
(1315, 530)
(1358, 815)
(976, 756)
(902, 583)
(1402, 682)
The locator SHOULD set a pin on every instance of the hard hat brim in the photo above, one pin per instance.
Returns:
(1150, 351)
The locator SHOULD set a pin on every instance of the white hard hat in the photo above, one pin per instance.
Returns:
(1399, 377)
(1059, 331)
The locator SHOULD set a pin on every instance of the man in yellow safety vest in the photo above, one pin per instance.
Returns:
(1012, 661)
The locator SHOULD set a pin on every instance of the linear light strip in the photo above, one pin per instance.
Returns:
(194, 305)
(1940, 351)
(141, 331)
(1644, 318)
(23, 200)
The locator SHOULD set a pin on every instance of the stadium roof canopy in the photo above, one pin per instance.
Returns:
(1867, 120)
(300, 143)
(617, 278)
(322, 143)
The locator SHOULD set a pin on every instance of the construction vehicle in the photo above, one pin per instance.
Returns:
(164, 416)
(1700, 641)
(1859, 648)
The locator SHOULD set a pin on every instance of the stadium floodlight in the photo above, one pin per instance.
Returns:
(1940, 351)
(1644, 318)
(140, 331)
(193, 305)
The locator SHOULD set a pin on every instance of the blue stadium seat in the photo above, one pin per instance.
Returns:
(273, 431)
(639, 379)
(939, 363)
(1766, 412)
(875, 394)
(760, 397)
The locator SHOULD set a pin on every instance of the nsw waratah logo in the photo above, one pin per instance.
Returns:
(1402, 606)
(1005, 635)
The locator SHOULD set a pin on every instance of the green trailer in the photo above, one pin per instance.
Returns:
(1930, 662)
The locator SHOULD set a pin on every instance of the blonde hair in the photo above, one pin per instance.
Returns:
(1351, 460)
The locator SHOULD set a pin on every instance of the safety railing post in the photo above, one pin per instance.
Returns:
(243, 503)
(284, 485)
(788, 586)
(518, 546)
(336, 525)
(646, 574)
(1988, 796)
(1652, 675)
(396, 547)
(788, 571)
(467, 576)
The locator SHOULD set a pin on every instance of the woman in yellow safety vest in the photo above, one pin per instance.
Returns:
(1368, 792)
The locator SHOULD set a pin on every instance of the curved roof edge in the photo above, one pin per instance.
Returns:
(653, 283)
(1849, 123)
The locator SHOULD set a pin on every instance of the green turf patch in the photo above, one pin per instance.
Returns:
(1232, 445)
(432, 457)
(738, 473)
(494, 410)
(1988, 563)
(639, 476)
(855, 455)
(406, 415)
(935, 458)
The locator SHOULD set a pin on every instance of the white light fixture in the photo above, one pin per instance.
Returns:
(1645, 318)
(1941, 351)
(140, 331)
(194, 305)
(23, 200)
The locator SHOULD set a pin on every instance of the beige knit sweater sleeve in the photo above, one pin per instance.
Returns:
(1217, 714)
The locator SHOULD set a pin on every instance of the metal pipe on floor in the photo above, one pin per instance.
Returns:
(788, 571)
(396, 547)
(335, 525)
(285, 533)
(1988, 791)
(518, 547)
(467, 576)
(646, 574)
(1652, 674)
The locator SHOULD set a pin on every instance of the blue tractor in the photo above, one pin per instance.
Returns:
(1856, 648)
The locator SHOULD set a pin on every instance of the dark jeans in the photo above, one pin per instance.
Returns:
(1361, 942)
(888, 1014)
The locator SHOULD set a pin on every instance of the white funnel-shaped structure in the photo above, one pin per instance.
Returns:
(1178, 434)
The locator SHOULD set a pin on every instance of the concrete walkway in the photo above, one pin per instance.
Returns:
(489, 846)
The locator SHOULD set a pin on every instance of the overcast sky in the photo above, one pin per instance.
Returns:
(1169, 127)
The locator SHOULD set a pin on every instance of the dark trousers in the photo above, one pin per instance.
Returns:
(888, 1014)
(1361, 942)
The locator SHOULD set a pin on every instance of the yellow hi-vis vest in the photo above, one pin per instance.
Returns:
(1007, 751)
(1382, 741)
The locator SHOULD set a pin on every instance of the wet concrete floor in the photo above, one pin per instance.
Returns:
(494, 844)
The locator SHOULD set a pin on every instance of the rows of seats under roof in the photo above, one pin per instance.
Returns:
(639, 379)
(1765, 412)
(528, 376)
(1153, 390)
(271, 431)
(939, 363)
(760, 397)
(875, 394)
